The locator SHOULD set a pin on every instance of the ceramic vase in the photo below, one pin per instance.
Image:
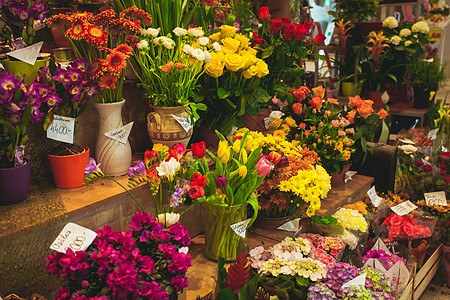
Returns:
(114, 156)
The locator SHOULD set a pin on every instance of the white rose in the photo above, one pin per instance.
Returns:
(168, 168)
(407, 43)
(408, 149)
(405, 32)
(196, 32)
(216, 46)
(142, 44)
(153, 32)
(421, 27)
(168, 219)
(198, 54)
(207, 57)
(396, 40)
(390, 22)
(203, 41)
(168, 43)
(187, 49)
(179, 31)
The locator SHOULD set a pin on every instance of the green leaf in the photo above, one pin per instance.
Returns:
(302, 281)
(226, 294)
(25, 117)
(222, 93)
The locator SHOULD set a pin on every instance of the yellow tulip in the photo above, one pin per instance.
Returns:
(237, 146)
(223, 152)
(243, 156)
(242, 171)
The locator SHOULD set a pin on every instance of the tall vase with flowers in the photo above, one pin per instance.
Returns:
(168, 70)
(19, 106)
(107, 41)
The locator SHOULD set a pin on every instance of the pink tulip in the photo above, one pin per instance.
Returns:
(264, 166)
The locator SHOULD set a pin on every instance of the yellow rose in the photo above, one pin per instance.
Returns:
(290, 122)
(248, 58)
(214, 68)
(234, 62)
(250, 72)
(230, 45)
(227, 30)
(245, 41)
(216, 37)
(261, 68)
(252, 51)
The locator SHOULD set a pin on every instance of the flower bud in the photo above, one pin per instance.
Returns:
(274, 157)
(284, 162)
(243, 156)
(221, 182)
(242, 171)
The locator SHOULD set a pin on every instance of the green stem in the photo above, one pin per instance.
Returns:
(134, 198)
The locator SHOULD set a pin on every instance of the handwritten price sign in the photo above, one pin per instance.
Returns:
(120, 134)
(75, 237)
(240, 228)
(404, 208)
(372, 193)
(436, 198)
(62, 129)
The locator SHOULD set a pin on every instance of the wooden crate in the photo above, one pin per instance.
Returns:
(420, 281)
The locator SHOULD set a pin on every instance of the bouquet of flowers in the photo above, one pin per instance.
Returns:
(231, 83)
(19, 106)
(327, 250)
(404, 227)
(149, 262)
(107, 41)
(387, 260)
(352, 224)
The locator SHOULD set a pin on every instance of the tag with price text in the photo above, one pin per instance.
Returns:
(404, 208)
(240, 228)
(62, 129)
(436, 198)
(120, 134)
(75, 237)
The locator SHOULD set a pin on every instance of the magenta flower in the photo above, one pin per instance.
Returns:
(180, 234)
(264, 166)
(221, 182)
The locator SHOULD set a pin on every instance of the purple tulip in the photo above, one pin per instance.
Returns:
(221, 182)
(284, 162)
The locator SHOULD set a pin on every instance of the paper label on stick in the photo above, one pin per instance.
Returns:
(28, 54)
(432, 134)
(426, 162)
(184, 122)
(62, 129)
(372, 193)
(436, 198)
(404, 208)
(357, 281)
(349, 175)
(407, 142)
(240, 228)
(291, 225)
(120, 134)
(75, 237)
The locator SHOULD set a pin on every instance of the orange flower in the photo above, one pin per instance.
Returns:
(302, 125)
(365, 109)
(342, 33)
(107, 81)
(383, 113)
(297, 108)
(138, 14)
(98, 68)
(377, 49)
(355, 101)
(96, 35)
(319, 91)
(59, 17)
(85, 16)
(180, 66)
(300, 93)
(351, 115)
(125, 49)
(152, 175)
(307, 132)
(133, 26)
(316, 102)
(116, 62)
(167, 67)
(104, 16)
(78, 30)
(332, 100)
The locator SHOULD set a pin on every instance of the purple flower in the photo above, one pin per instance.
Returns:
(320, 292)
(180, 234)
(338, 274)
(180, 263)
(284, 162)
(179, 282)
(141, 218)
(138, 170)
(221, 182)
(91, 167)
(175, 199)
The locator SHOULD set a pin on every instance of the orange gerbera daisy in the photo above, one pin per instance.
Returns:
(98, 68)
(58, 18)
(116, 62)
(107, 81)
(125, 49)
(78, 30)
(138, 14)
(104, 16)
(85, 16)
(127, 24)
(96, 35)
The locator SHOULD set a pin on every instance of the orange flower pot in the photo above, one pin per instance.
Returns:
(68, 171)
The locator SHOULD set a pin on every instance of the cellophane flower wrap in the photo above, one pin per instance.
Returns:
(106, 40)
(147, 262)
(353, 225)
(387, 260)
(297, 180)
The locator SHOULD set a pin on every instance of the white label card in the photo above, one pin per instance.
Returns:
(120, 134)
(240, 228)
(184, 122)
(407, 142)
(426, 163)
(357, 281)
(404, 208)
(62, 129)
(436, 198)
(349, 175)
(432, 134)
(75, 237)
(28, 54)
(291, 225)
(372, 193)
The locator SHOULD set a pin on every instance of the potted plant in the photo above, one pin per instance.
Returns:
(426, 77)
(19, 106)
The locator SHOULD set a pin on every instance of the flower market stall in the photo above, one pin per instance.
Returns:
(186, 149)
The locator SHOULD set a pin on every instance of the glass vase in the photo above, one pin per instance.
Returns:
(220, 238)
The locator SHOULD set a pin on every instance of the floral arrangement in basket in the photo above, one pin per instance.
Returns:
(387, 260)
(296, 179)
(327, 250)
(351, 224)
(404, 227)
(106, 41)
(147, 262)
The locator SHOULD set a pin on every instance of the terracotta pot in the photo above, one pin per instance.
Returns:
(68, 171)
(339, 179)
(376, 98)
(15, 184)
(256, 122)
(163, 129)
(114, 156)
(272, 223)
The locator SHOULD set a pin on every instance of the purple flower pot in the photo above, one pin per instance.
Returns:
(14, 184)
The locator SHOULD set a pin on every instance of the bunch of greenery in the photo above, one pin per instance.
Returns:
(426, 75)
(355, 10)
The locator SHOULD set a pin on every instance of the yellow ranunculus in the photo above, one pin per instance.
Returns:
(245, 41)
(230, 45)
(228, 31)
(215, 37)
(223, 152)
(214, 68)
(250, 72)
(261, 68)
(234, 62)
(242, 171)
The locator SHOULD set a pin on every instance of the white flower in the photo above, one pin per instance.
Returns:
(168, 43)
(159, 41)
(427, 158)
(196, 32)
(349, 238)
(153, 32)
(390, 22)
(143, 31)
(207, 57)
(286, 270)
(203, 41)
(187, 49)
(142, 44)
(168, 168)
(407, 43)
(198, 54)
(216, 46)
(421, 27)
(405, 32)
(168, 219)
(396, 40)
(179, 31)
(408, 149)
(184, 250)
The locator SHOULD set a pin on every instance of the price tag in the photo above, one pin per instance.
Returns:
(432, 134)
(436, 198)
(75, 237)
(184, 122)
(120, 134)
(357, 281)
(28, 54)
(184, 250)
(291, 225)
(404, 208)
(240, 228)
(426, 162)
(349, 175)
(372, 193)
(407, 142)
(61, 129)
